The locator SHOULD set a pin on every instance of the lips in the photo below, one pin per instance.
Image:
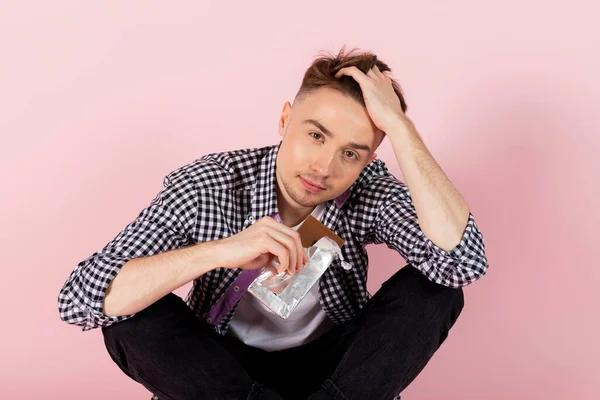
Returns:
(311, 186)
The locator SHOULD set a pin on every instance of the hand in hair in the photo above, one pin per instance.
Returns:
(382, 102)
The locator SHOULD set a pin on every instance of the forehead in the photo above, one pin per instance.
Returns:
(339, 113)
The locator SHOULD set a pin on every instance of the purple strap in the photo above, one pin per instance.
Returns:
(231, 296)
(234, 292)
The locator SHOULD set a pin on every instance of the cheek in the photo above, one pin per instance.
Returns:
(300, 153)
(294, 159)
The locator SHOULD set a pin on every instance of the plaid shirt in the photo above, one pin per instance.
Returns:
(223, 193)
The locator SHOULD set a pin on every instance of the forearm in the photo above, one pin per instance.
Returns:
(442, 212)
(144, 280)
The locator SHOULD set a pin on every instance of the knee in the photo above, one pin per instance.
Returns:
(144, 328)
(412, 288)
(446, 303)
(447, 300)
(457, 302)
(452, 309)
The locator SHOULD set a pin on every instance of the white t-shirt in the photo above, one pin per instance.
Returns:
(256, 325)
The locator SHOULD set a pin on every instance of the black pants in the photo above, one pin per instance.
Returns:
(375, 356)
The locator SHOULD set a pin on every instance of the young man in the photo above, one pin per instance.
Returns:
(214, 223)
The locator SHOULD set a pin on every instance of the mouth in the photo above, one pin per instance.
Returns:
(313, 187)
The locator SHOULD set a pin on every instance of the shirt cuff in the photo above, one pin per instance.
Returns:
(460, 251)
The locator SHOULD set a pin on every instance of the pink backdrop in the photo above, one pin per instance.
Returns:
(98, 102)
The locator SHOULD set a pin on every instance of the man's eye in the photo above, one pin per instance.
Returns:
(316, 133)
(352, 154)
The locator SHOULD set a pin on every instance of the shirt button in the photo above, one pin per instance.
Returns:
(209, 320)
(251, 218)
(236, 288)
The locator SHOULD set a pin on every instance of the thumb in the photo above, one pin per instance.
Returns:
(261, 261)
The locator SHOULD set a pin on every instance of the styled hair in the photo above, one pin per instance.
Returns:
(321, 73)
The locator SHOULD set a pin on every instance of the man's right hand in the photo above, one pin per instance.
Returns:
(255, 246)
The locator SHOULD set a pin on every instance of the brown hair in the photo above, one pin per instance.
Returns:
(321, 73)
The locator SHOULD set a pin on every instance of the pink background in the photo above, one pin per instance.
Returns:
(98, 102)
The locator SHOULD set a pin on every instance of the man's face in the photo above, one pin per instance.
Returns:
(328, 139)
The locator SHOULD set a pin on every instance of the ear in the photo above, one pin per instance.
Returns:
(283, 118)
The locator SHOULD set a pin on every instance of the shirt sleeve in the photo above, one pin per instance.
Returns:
(397, 226)
(166, 223)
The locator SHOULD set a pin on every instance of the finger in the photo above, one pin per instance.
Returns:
(354, 72)
(289, 244)
(291, 239)
(304, 260)
(260, 261)
(373, 73)
(301, 253)
(378, 74)
(279, 250)
(297, 246)
(270, 257)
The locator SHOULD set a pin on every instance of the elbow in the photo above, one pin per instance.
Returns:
(73, 311)
(453, 273)
(470, 271)
(81, 301)
(67, 310)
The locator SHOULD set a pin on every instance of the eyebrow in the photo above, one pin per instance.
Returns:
(327, 132)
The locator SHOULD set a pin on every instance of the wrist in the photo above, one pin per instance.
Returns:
(207, 256)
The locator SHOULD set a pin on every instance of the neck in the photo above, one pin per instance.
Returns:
(292, 216)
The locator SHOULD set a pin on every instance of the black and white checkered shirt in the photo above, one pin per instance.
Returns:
(223, 193)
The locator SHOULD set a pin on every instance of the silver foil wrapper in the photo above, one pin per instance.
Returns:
(283, 292)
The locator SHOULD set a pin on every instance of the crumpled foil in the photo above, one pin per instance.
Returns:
(283, 292)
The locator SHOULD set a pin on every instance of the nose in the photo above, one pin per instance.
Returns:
(323, 164)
